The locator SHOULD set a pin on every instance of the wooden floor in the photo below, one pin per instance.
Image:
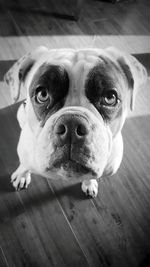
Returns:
(53, 223)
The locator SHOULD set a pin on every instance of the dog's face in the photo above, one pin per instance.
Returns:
(77, 103)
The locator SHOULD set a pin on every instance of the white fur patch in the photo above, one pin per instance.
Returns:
(90, 187)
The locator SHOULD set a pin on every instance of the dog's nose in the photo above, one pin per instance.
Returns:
(71, 128)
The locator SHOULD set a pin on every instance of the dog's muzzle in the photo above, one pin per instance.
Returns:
(73, 143)
(71, 138)
(71, 129)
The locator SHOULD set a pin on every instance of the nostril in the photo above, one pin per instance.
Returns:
(61, 129)
(81, 130)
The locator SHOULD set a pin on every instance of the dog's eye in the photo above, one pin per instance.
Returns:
(42, 95)
(110, 98)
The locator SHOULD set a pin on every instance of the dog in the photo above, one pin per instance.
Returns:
(76, 105)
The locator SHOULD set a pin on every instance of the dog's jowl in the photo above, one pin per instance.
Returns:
(76, 105)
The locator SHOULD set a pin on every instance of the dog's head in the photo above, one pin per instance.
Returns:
(77, 101)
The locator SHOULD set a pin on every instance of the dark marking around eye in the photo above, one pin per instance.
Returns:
(96, 83)
(101, 80)
(55, 80)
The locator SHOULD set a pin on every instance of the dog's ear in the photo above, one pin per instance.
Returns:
(134, 71)
(15, 77)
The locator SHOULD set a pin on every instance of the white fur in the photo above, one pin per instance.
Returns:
(90, 187)
(21, 178)
(36, 148)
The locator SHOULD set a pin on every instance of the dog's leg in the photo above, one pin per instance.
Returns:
(21, 178)
(90, 187)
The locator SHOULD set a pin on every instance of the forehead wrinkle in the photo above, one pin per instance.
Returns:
(78, 75)
(68, 58)
(58, 55)
(65, 57)
(80, 71)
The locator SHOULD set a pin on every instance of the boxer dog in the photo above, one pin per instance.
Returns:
(76, 105)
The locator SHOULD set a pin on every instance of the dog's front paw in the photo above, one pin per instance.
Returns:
(21, 178)
(90, 187)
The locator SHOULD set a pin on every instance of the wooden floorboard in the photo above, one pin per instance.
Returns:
(3, 260)
(52, 223)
